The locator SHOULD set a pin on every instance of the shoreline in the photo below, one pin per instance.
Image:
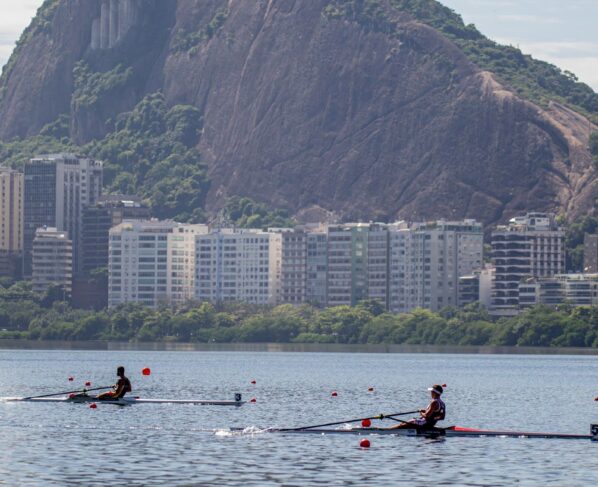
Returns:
(7, 344)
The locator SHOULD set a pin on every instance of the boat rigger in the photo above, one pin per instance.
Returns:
(128, 400)
(452, 431)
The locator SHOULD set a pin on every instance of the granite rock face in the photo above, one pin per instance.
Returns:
(303, 110)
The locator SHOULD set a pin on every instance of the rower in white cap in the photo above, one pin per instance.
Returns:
(436, 411)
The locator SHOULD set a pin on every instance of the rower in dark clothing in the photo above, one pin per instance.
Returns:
(120, 388)
(436, 411)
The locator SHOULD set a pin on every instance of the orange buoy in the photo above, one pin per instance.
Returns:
(365, 443)
(366, 423)
(146, 371)
(93, 405)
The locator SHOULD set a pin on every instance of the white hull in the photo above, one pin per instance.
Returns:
(126, 401)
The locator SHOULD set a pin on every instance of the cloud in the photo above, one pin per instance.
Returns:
(528, 19)
(581, 58)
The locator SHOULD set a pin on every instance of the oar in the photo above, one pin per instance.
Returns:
(67, 392)
(358, 420)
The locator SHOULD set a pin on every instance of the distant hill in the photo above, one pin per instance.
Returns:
(372, 109)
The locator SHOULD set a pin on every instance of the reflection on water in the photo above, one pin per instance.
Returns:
(150, 444)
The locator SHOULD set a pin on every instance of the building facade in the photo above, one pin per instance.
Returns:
(571, 289)
(238, 265)
(52, 256)
(590, 254)
(427, 260)
(11, 221)
(317, 268)
(152, 262)
(304, 266)
(530, 246)
(57, 189)
(108, 212)
(293, 275)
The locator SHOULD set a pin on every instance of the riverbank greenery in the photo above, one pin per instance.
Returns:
(26, 315)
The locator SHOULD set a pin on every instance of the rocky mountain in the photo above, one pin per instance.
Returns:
(373, 109)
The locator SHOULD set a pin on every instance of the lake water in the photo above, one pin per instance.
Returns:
(71, 444)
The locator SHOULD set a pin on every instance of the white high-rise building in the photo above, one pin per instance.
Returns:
(52, 260)
(235, 265)
(529, 246)
(152, 262)
(426, 261)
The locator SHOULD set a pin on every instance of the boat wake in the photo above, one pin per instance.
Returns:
(249, 431)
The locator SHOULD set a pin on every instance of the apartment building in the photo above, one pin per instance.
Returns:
(590, 254)
(52, 259)
(293, 281)
(357, 263)
(152, 262)
(426, 261)
(57, 188)
(317, 268)
(239, 265)
(304, 266)
(11, 220)
(571, 289)
(529, 246)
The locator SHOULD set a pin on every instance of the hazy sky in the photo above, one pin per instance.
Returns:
(561, 32)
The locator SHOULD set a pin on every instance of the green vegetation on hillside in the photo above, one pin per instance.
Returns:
(92, 87)
(370, 14)
(246, 213)
(189, 41)
(24, 314)
(152, 153)
(534, 80)
(574, 240)
(17, 151)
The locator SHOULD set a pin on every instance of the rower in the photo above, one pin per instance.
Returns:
(122, 386)
(436, 411)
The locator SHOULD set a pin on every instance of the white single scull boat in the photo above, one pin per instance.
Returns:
(128, 401)
(453, 431)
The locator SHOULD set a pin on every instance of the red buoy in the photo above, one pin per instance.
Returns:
(71, 395)
(253, 381)
(334, 394)
(443, 385)
(253, 399)
(596, 399)
(370, 389)
(365, 443)
(87, 384)
(146, 371)
(366, 423)
(93, 405)
(71, 378)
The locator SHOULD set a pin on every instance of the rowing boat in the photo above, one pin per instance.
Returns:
(453, 431)
(128, 401)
